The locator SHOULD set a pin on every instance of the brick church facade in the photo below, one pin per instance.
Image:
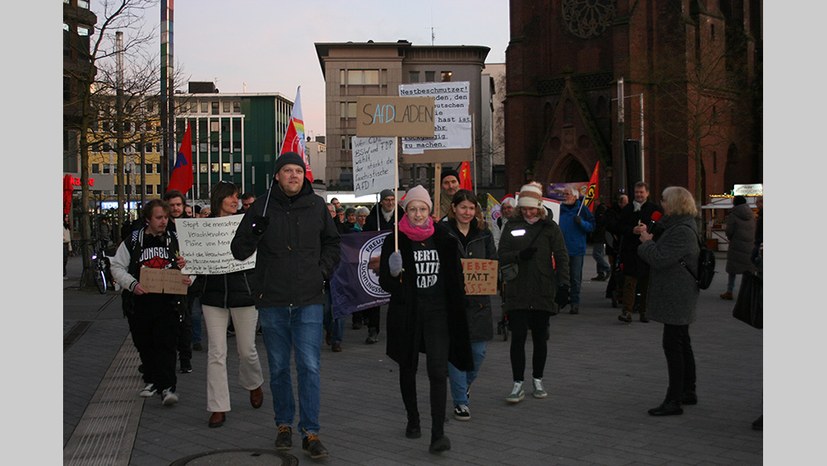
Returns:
(691, 91)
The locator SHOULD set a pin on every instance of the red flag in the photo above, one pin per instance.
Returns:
(592, 191)
(181, 176)
(294, 136)
(465, 176)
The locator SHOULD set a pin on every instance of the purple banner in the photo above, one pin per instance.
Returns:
(555, 190)
(355, 283)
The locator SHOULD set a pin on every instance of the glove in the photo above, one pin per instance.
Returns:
(527, 253)
(578, 220)
(562, 296)
(395, 263)
(260, 224)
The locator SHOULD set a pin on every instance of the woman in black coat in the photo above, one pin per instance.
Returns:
(426, 312)
(474, 241)
(225, 296)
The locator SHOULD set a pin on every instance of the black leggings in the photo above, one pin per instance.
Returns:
(435, 341)
(680, 360)
(520, 321)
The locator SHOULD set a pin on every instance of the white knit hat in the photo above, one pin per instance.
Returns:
(417, 193)
(530, 196)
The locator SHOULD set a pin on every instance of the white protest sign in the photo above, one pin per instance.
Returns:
(452, 120)
(205, 244)
(373, 160)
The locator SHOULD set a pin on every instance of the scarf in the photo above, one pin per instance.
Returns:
(533, 220)
(416, 233)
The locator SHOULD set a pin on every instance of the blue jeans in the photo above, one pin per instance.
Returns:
(197, 313)
(461, 380)
(336, 327)
(298, 329)
(576, 277)
(599, 255)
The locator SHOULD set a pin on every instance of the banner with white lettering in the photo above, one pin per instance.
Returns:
(205, 244)
(355, 283)
(452, 120)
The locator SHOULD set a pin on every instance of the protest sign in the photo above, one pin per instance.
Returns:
(205, 244)
(480, 276)
(452, 120)
(373, 165)
(168, 281)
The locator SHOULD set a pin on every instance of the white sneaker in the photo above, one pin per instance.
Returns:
(517, 393)
(538, 389)
(169, 397)
(148, 391)
(462, 413)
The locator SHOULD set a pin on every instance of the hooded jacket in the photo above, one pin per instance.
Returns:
(740, 231)
(296, 253)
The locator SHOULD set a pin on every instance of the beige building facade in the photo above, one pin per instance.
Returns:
(372, 68)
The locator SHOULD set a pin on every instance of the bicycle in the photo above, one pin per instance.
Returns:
(101, 265)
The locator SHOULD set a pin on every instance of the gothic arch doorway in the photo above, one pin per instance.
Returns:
(569, 170)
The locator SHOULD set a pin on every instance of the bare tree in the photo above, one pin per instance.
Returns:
(121, 15)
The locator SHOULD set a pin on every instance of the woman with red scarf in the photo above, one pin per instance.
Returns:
(426, 313)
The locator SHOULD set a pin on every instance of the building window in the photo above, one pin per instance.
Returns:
(348, 109)
(107, 147)
(446, 76)
(106, 167)
(214, 126)
(214, 108)
(148, 147)
(205, 107)
(148, 168)
(94, 147)
(226, 106)
(149, 189)
(413, 76)
(203, 168)
(226, 167)
(362, 77)
(429, 76)
(96, 168)
(83, 4)
(236, 106)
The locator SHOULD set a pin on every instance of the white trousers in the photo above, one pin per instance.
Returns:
(249, 367)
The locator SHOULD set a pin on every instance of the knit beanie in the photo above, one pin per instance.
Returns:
(530, 196)
(287, 158)
(417, 193)
(386, 193)
(449, 172)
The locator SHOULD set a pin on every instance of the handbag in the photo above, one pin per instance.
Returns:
(749, 307)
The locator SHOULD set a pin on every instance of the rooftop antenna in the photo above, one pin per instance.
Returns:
(244, 86)
(433, 36)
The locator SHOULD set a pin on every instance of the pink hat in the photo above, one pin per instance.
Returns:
(417, 193)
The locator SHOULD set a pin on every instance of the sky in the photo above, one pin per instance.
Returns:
(268, 46)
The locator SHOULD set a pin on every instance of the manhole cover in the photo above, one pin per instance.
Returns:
(238, 458)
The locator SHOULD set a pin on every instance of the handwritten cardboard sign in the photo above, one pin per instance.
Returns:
(480, 276)
(205, 244)
(168, 281)
(395, 116)
(373, 165)
(452, 119)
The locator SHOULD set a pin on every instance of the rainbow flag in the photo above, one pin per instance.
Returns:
(294, 137)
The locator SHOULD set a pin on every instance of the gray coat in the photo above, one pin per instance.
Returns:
(740, 231)
(673, 292)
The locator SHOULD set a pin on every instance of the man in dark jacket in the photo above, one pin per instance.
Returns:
(297, 250)
(381, 217)
(637, 216)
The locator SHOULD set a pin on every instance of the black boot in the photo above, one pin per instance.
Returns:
(667, 408)
(412, 430)
(689, 397)
(439, 444)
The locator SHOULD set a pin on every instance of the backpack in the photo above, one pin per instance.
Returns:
(706, 266)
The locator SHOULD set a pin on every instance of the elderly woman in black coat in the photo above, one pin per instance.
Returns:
(426, 312)
(673, 293)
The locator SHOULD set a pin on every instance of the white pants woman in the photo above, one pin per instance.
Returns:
(249, 367)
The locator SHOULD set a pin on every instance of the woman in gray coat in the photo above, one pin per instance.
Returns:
(673, 293)
(740, 232)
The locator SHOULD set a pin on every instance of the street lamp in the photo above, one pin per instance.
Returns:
(128, 167)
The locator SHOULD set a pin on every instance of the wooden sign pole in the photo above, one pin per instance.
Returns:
(396, 194)
(437, 189)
